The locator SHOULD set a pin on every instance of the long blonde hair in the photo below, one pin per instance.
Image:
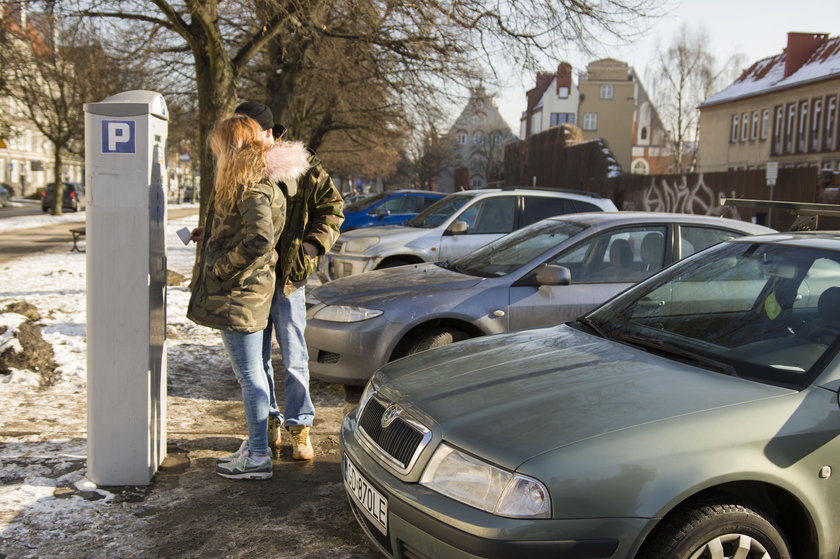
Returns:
(240, 150)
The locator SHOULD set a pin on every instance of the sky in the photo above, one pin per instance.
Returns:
(754, 28)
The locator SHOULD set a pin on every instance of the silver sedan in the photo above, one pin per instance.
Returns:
(548, 273)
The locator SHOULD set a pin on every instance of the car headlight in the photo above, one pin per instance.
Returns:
(361, 244)
(367, 394)
(341, 313)
(484, 486)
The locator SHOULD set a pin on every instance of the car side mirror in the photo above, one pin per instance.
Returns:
(459, 228)
(551, 274)
(382, 212)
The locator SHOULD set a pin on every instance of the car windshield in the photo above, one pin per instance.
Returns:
(762, 311)
(511, 252)
(362, 204)
(437, 213)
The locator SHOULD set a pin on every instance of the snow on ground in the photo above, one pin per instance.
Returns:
(25, 222)
(42, 439)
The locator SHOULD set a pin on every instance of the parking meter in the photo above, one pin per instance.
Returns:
(125, 146)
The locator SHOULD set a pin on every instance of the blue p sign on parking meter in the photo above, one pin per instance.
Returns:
(118, 136)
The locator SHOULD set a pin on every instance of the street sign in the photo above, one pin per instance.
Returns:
(772, 172)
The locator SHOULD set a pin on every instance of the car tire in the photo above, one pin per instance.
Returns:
(697, 530)
(437, 337)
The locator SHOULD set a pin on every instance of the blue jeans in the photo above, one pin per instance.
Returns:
(288, 319)
(245, 351)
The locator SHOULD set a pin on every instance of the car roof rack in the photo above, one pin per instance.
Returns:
(807, 213)
(549, 189)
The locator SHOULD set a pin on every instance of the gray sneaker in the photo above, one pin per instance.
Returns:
(242, 448)
(246, 467)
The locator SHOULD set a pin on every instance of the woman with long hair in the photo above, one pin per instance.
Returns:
(235, 276)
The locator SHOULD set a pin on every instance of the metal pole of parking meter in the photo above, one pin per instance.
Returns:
(125, 143)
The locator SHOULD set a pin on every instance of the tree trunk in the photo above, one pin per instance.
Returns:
(58, 189)
(216, 99)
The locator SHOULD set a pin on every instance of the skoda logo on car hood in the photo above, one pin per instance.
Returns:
(389, 415)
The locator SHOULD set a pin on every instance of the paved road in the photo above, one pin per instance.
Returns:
(20, 242)
(19, 210)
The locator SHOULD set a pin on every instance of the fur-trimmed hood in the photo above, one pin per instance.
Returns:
(286, 162)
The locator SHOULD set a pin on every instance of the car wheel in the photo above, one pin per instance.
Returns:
(437, 337)
(720, 530)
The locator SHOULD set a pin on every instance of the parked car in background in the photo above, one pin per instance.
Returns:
(5, 194)
(694, 416)
(451, 227)
(544, 274)
(387, 208)
(350, 197)
(73, 197)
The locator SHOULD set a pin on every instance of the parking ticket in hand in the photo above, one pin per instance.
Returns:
(184, 234)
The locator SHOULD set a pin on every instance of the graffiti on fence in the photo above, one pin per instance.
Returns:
(674, 193)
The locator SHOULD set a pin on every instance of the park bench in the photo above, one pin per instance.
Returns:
(78, 232)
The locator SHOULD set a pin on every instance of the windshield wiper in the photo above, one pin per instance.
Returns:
(591, 325)
(671, 349)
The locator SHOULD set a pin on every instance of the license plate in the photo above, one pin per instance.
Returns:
(373, 504)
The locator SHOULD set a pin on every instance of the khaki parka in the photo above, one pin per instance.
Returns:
(235, 273)
(315, 213)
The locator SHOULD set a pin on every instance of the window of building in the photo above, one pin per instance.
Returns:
(745, 126)
(590, 121)
(462, 138)
(606, 92)
(477, 182)
(778, 128)
(497, 139)
(765, 123)
(643, 135)
(561, 118)
(563, 92)
(802, 132)
(754, 127)
(830, 117)
(639, 167)
(816, 120)
(733, 136)
(478, 138)
(790, 128)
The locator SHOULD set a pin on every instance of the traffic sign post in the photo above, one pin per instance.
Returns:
(771, 174)
(125, 146)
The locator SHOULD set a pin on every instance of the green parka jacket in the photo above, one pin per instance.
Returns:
(235, 277)
(315, 213)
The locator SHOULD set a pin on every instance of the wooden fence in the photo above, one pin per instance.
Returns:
(543, 160)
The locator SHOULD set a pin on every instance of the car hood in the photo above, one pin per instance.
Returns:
(379, 286)
(514, 396)
(391, 234)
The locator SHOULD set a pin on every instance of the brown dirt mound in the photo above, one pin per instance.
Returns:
(37, 354)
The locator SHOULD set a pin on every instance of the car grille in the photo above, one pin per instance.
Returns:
(400, 442)
(409, 552)
(328, 357)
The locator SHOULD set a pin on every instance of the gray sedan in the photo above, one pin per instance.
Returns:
(545, 274)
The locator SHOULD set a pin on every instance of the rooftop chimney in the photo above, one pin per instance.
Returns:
(800, 46)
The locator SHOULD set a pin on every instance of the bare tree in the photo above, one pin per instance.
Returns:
(52, 67)
(685, 75)
(439, 40)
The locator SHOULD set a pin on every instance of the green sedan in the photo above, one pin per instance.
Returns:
(694, 416)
